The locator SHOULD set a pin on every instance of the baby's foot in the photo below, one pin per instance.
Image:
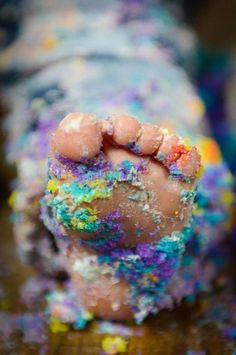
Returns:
(118, 182)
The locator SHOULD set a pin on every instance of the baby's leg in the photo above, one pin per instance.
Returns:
(123, 190)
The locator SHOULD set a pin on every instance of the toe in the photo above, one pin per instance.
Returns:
(181, 161)
(126, 130)
(150, 139)
(78, 136)
(170, 149)
(189, 163)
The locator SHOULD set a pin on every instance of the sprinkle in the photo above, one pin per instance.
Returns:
(58, 327)
(135, 197)
(114, 345)
(164, 131)
(52, 186)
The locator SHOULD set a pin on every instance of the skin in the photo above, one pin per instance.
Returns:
(80, 136)
(99, 296)
(173, 214)
(72, 127)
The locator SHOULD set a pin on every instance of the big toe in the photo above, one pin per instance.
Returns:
(78, 137)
